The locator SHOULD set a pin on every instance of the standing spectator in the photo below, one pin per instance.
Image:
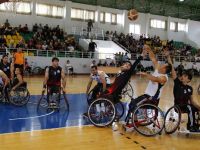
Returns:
(19, 59)
(90, 25)
(7, 24)
(125, 57)
(69, 68)
(91, 48)
(105, 63)
(27, 66)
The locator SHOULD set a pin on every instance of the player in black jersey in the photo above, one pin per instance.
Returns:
(5, 66)
(53, 76)
(183, 96)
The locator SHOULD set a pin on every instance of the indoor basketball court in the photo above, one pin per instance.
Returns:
(28, 122)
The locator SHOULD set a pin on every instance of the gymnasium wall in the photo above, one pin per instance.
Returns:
(82, 65)
(191, 37)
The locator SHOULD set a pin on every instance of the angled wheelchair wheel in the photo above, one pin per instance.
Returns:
(101, 112)
(127, 92)
(119, 110)
(37, 71)
(149, 122)
(172, 119)
(20, 96)
(2, 94)
(63, 104)
(89, 97)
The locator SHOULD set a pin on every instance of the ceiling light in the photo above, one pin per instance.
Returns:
(181, 0)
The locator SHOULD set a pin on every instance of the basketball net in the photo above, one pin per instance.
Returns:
(12, 5)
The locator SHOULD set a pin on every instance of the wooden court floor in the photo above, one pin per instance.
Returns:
(89, 137)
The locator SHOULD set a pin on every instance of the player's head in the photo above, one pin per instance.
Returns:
(126, 66)
(165, 68)
(186, 76)
(18, 71)
(5, 58)
(94, 70)
(55, 62)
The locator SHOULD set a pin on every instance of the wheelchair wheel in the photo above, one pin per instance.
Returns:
(37, 71)
(101, 112)
(20, 96)
(148, 120)
(119, 110)
(172, 119)
(127, 92)
(2, 94)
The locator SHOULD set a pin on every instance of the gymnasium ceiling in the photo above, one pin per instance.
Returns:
(174, 8)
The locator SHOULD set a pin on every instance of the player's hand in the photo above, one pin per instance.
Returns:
(64, 90)
(142, 73)
(166, 53)
(14, 88)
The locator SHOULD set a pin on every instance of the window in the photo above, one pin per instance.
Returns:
(108, 17)
(77, 13)
(134, 28)
(181, 27)
(80, 14)
(119, 19)
(89, 15)
(102, 17)
(157, 24)
(172, 26)
(49, 10)
(114, 18)
(20, 7)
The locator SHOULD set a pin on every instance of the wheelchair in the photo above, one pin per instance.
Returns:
(127, 92)
(18, 97)
(173, 119)
(54, 100)
(147, 118)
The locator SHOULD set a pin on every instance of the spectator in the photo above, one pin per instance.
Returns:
(7, 24)
(100, 63)
(105, 63)
(93, 63)
(91, 48)
(90, 25)
(112, 64)
(69, 68)
(125, 57)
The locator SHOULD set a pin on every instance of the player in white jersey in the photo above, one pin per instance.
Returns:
(156, 81)
(102, 80)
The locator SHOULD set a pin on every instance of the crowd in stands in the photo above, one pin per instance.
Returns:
(40, 37)
(135, 45)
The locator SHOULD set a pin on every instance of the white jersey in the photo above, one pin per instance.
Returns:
(153, 87)
(97, 77)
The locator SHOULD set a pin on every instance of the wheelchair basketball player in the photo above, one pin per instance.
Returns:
(52, 82)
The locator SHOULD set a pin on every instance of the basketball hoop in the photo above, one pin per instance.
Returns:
(12, 5)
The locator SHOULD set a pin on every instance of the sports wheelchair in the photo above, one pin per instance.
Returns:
(127, 92)
(18, 97)
(173, 119)
(146, 118)
(55, 99)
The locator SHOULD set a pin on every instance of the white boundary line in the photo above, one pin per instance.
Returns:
(32, 117)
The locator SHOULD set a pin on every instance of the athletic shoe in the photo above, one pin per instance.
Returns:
(194, 129)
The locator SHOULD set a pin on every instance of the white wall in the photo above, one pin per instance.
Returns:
(191, 37)
(82, 65)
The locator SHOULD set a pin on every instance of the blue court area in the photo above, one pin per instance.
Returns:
(29, 117)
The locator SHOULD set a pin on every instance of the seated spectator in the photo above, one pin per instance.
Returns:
(112, 64)
(7, 24)
(105, 63)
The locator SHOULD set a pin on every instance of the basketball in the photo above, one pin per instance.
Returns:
(132, 14)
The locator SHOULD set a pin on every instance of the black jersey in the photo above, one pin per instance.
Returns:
(122, 79)
(182, 93)
(5, 68)
(54, 76)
